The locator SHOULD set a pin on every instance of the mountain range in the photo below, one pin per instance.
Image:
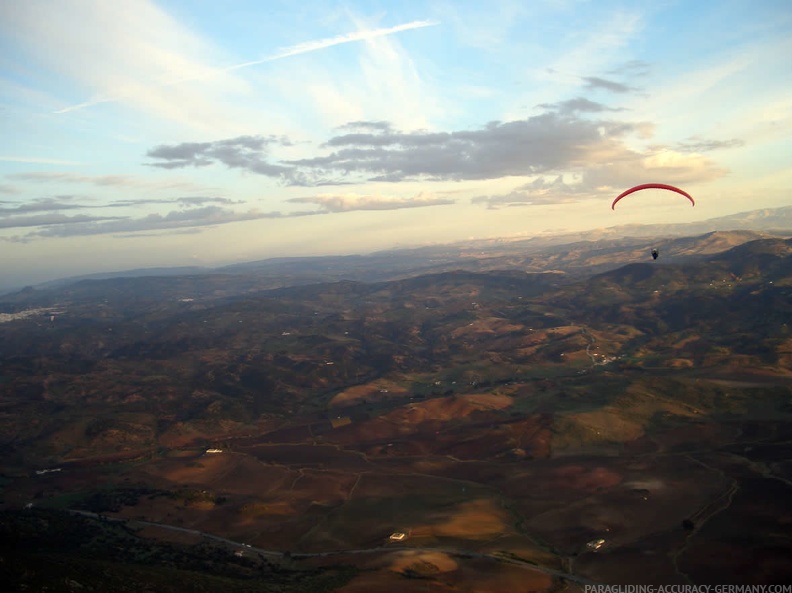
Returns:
(456, 418)
(469, 255)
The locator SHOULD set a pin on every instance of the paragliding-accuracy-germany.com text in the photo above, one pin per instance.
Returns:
(687, 589)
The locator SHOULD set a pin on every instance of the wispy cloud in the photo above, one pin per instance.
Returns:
(121, 181)
(632, 68)
(14, 212)
(538, 192)
(56, 225)
(595, 82)
(195, 213)
(698, 144)
(350, 202)
(201, 200)
(37, 160)
(286, 52)
(56, 220)
(107, 47)
(309, 46)
(579, 104)
(48, 212)
(600, 46)
(55, 204)
(382, 80)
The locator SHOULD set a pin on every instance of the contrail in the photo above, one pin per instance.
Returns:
(309, 46)
(285, 52)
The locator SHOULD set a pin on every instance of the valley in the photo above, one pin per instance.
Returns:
(501, 419)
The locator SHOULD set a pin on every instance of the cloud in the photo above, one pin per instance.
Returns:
(37, 160)
(348, 202)
(12, 216)
(697, 144)
(200, 200)
(244, 152)
(382, 126)
(539, 144)
(194, 214)
(8, 189)
(595, 82)
(617, 172)
(603, 42)
(665, 166)
(632, 68)
(540, 191)
(309, 46)
(565, 140)
(144, 234)
(138, 42)
(553, 142)
(54, 220)
(177, 219)
(125, 181)
(183, 202)
(579, 104)
(55, 204)
(285, 52)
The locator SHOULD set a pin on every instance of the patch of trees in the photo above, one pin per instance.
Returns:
(104, 501)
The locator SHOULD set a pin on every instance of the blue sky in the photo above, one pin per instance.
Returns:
(138, 133)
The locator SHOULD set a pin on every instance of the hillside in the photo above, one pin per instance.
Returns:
(489, 415)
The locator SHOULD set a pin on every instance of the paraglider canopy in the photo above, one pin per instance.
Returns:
(652, 186)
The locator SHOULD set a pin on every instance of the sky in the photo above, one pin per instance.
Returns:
(137, 133)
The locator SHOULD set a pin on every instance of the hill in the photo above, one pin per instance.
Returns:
(575, 259)
(491, 416)
(475, 255)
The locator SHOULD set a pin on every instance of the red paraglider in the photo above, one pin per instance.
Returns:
(651, 186)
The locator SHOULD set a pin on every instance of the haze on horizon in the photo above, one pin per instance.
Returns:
(139, 133)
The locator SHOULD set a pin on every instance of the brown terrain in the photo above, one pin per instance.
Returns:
(520, 432)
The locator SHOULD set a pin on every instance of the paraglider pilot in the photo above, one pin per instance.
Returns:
(654, 254)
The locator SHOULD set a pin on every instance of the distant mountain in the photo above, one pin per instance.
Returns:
(578, 254)
(570, 262)
(769, 220)
(135, 273)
